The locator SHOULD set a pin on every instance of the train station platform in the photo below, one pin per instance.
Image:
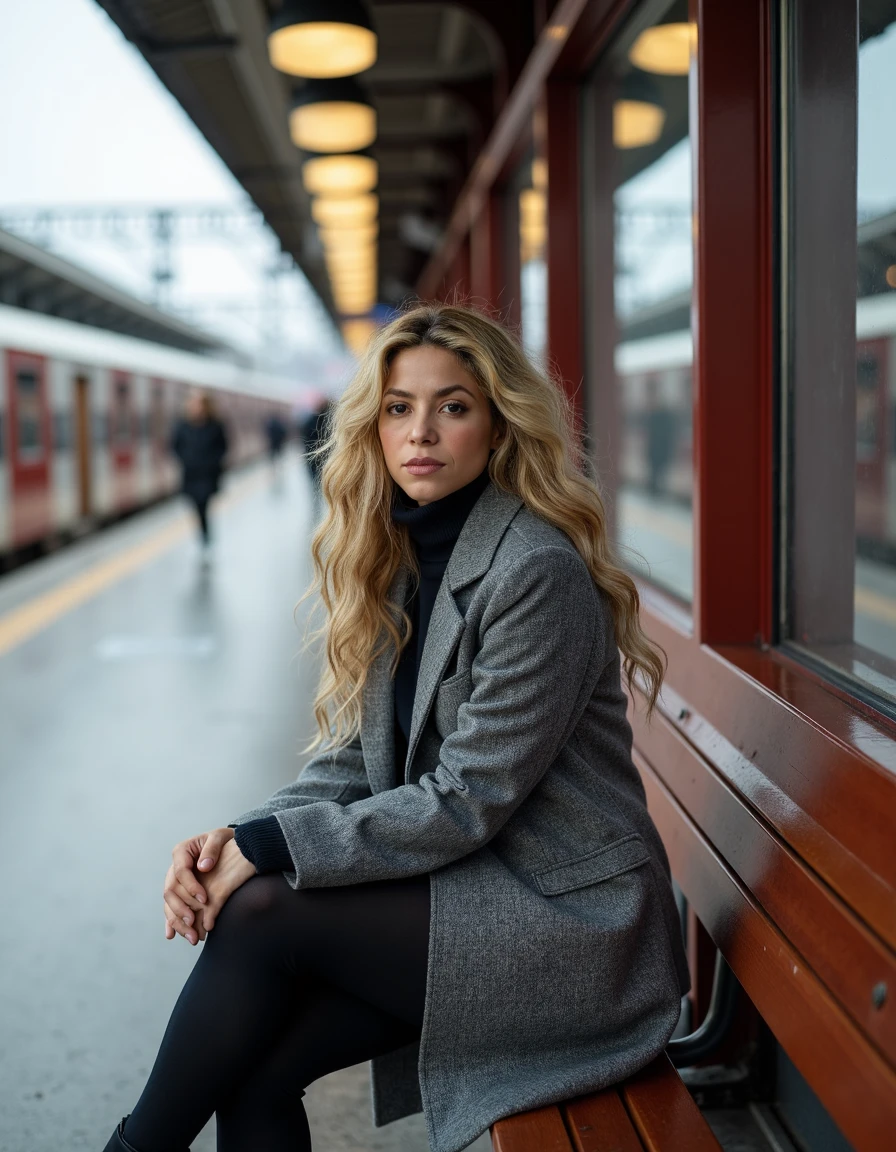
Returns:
(145, 697)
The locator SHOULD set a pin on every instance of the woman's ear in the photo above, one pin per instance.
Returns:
(497, 434)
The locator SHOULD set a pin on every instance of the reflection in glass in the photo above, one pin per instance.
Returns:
(532, 207)
(645, 76)
(875, 587)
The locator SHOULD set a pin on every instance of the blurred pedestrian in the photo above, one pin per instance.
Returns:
(199, 441)
(275, 430)
(313, 430)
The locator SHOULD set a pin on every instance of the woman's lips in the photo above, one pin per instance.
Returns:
(422, 469)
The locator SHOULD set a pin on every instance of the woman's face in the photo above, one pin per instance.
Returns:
(435, 425)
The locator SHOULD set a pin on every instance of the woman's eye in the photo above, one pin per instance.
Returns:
(456, 407)
(397, 409)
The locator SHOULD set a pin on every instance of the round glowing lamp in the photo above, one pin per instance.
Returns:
(352, 258)
(344, 212)
(636, 123)
(357, 333)
(352, 301)
(665, 49)
(332, 116)
(363, 281)
(346, 174)
(353, 271)
(335, 239)
(322, 38)
(638, 114)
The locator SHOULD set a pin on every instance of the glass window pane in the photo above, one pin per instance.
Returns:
(30, 424)
(841, 600)
(638, 130)
(122, 427)
(875, 590)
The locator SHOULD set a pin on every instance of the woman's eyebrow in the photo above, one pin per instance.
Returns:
(439, 393)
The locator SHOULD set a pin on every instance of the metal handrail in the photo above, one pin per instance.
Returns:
(703, 1042)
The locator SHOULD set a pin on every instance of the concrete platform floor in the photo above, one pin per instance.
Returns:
(162, 699)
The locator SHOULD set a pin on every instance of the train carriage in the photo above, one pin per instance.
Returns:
(86, 416)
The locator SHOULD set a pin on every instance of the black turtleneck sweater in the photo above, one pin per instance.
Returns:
(433, 529)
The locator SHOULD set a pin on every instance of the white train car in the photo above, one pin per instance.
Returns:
(86, 416)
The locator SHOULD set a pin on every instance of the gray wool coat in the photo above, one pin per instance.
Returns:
(556, 963)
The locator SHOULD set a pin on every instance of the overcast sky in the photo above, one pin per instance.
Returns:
(87, 122)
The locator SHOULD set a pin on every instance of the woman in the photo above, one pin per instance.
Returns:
(200, 443)
(474, 897)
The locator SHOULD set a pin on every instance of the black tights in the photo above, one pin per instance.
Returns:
(289, 987)
(200, 504)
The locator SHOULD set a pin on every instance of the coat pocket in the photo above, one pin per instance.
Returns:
(620, 856)
(451, 694)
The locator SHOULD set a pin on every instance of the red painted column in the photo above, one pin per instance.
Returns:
(485, 254)
(565, 342)
(731, 134)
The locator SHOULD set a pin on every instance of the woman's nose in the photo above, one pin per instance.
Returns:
(422, 432)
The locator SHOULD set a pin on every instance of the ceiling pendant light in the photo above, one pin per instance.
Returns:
(638, 115)
(357, 334)
(345, 174)
(321, 38)
(332, 116)
(636, 123)
(665, 49)
(344, 211)
(355, 236)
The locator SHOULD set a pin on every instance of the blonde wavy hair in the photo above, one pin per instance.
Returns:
(358, 549)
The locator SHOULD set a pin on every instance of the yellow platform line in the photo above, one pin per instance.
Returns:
(23, 622)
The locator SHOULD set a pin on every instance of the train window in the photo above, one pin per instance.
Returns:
(100, 429)
(122, 422)
(62, 440)
(839, 449)
(638, 210)
(158, 425)
(29, 418)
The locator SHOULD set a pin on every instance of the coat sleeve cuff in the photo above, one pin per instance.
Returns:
(262, 842)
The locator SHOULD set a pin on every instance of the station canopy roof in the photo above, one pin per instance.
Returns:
(441, 76)
(41, 281)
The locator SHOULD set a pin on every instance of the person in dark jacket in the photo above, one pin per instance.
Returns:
(275, 431)
(200, 444)
(313, 430)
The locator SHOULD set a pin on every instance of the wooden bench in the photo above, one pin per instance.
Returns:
(650, 1112)
(792, 896)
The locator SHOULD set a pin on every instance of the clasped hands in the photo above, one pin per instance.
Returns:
(191, 907)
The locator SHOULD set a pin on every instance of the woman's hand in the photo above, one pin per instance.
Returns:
(230, 873)
(184, 896)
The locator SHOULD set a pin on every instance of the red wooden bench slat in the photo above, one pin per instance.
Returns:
(857, 1086)
(543, 1129)
(664, 1112)
(600, 1123)
(846, 956)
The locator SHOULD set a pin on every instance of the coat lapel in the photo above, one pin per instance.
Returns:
(470, 560)
(378, 721)
(445, 627)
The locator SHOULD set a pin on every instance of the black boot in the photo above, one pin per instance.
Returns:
(118, 1142)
